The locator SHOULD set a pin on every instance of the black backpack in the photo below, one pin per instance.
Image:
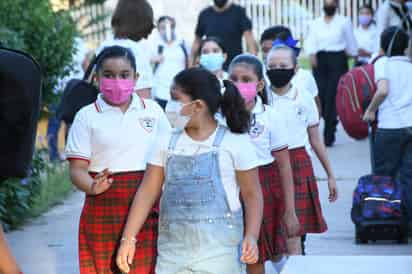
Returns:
(20, 87)
(77, 94)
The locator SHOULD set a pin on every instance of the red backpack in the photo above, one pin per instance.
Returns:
(355, 91)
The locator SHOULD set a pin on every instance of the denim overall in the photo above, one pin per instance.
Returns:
(198, 233)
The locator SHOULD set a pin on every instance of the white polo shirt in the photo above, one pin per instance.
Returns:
(299, 112)
(268, 132)
(396, 110)
(108, 138)
(142, 58)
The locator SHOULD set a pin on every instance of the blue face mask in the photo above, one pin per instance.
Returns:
(212, 61)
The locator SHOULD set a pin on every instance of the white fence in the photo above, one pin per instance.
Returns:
(295, 14)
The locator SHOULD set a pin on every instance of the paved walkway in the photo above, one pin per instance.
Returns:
(48, 245)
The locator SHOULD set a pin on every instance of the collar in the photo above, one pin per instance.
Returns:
(291, 94)
(259, 106)
(136, 104)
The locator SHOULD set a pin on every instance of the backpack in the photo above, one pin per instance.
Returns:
(376, 198)
(355, 91)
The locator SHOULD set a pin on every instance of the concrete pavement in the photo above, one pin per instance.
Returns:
(48, 245)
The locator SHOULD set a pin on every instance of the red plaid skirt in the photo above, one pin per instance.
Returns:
(272, 238)
(307, 201)
(101, 225)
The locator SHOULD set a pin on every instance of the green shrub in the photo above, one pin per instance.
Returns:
(33, 26)
(47, 185)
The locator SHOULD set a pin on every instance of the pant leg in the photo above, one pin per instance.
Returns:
(387, 152)
(337, 66)
(406, 172)
(321, 76)
(52, 136)
(162, 103)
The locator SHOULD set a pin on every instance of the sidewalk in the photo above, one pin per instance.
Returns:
(48, 245)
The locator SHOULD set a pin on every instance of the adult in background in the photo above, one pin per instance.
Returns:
(329, 43)
(393, 101)
(169, 56)
(366, 35)
(132, 23)
(228, 22)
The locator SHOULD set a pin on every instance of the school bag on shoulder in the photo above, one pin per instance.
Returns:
(355, 91)
(77, 94)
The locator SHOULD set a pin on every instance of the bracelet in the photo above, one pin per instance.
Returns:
(126, 239)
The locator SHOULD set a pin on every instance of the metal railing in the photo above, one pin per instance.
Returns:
(296, 14)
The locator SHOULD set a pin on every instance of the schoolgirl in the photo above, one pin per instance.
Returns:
(302, 120)
(108, 147)
(269, 136)
(201, 168)
(212, 57)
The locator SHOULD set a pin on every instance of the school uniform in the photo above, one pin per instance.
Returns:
(106, 137)
(268, 134)
(331, 43)
(366, 39)
(201, 218)
(393, 138)
(300, 113)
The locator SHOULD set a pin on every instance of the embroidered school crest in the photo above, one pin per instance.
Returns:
(256, 130)
(147, 123)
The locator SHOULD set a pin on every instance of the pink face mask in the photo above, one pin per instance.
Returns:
(117, 91)
(248, 91)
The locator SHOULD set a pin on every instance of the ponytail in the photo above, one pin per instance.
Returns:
(234, 109)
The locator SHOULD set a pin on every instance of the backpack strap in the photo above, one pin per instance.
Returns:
(186, 54)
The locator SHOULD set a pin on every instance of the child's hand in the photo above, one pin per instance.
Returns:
(333, 189)
(101, 183)
(292, 224)
(125, 255)
(250, 252)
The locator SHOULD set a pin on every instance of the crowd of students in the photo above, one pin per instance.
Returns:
(215, 175)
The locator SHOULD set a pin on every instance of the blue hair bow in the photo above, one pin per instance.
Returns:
(290, 42)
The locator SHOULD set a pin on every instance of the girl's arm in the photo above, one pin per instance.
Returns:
(378, 98)
(145, 198)
(285, 170)
(80, 177)
(253, 207)
(320, 151)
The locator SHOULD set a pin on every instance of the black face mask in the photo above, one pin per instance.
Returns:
(280, 77)
(329, 10)
(220, 3)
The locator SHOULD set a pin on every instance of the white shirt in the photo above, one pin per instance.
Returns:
(337, 35)
(267, 132)
(142, 59)
(108, 138)
(236, 153)
(299, 112)
(174, 62)
(366, 40)
(305, 81)
(396, 110)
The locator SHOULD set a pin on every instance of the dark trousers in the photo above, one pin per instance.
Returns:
(330, 67)
(162, 103)
(393, 157)
(53, 128)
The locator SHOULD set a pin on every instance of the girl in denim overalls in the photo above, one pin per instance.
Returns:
(201, 169)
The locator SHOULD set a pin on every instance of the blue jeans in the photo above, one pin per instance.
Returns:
(393, 157)
(53, 128)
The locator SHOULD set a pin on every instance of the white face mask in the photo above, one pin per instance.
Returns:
(173, 113)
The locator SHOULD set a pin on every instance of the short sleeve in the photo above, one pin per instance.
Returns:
(245, 22)
(200, 27)
(311, 46)
(244, 153)
(351, 43)
(278, 132)
(159, 152)
(379, 68)
(79, 139)
(312, 110)
(144, 69)
(311, 85)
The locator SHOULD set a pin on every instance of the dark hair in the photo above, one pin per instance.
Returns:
(272, 33)
(132, 19)
(200, 84)
(167, 17)
(217, 40)
(256, 66)
(368, 7)
(115, 52)
(398, 38)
